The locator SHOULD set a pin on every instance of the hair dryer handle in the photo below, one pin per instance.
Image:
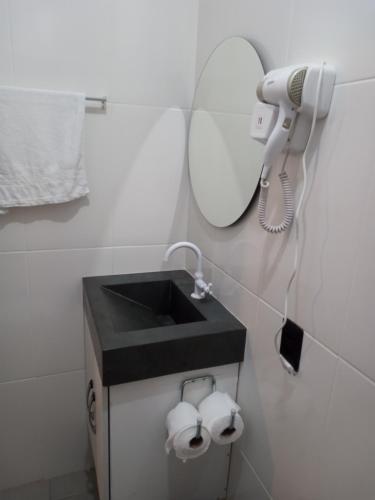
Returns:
(278, 138)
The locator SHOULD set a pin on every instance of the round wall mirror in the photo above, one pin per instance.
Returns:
(224, 161)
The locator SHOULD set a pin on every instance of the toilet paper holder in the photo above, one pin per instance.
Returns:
(188, 381)
(230, 429)
(197, 440)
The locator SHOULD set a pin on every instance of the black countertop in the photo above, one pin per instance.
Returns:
(127, 348)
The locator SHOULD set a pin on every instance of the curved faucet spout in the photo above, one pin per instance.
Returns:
(201, 288)
(186, 244)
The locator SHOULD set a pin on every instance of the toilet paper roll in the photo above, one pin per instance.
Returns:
(181, 424)
(216, 410)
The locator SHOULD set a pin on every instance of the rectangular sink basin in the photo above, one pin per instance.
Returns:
(149, 305)
(147, 325)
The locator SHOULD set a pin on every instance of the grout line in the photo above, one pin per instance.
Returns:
(76, 249)
(359, 372)
(330, 398)
(38, 377)
(147, 106)
(11, 38)
(247, 461)
(196, 44)
(290, 27)
(356, 82)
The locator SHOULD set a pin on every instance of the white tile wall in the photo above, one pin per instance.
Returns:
(135, 158)
(6, 62)
(13, 232)
(56, 305)
(43, 428)
(309, 437)
(135, 52)
(347, 457)
(154, 65)
(141, 55)
(265, 24)
(358, 339)
(339, 31)
(38, 490)
(147, 258)
(285, 415)
(15, 339)
(150, 201)
(243, 482)
(62, 45)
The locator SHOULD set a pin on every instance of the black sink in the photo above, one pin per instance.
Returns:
(148, 305)
(147, 325)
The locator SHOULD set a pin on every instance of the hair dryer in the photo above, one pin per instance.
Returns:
(282, 88)
(286, 95)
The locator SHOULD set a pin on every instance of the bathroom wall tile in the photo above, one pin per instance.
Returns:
(145, 259)
(62, 45)
(138, 53)
(235, 249)
(345, 36)
(6, 63)
(347, 457)
(150, 200)
(76, 483)
(33, 491)
(135, 161)
(12, 230)
(239, 301)
(83, 496)
(15, 338)
(43, 428)
(335, 214)
(219, 19)
(21, 447)
(320, 294)
(56, 305)
(64, 436)
(243, 483)
(284, 415)
(358, 340)
(153, 52)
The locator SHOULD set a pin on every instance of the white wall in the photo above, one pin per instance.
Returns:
(309, 437)
(141, 55)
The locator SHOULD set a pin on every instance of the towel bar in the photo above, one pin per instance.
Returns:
(102, 100)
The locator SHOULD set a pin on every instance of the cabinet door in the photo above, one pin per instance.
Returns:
(140, 468)
(97, 417)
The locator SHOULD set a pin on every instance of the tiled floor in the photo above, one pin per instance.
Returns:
(76, 486)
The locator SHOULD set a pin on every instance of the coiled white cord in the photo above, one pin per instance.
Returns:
(288, 204)
(284, 363)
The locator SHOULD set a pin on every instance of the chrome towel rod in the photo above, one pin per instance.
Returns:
(102, 100)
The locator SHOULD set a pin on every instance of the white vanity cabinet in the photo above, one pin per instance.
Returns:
(127, 435)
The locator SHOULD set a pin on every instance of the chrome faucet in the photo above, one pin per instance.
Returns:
(201, 288)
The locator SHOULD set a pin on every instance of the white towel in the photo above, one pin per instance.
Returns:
(40, 147)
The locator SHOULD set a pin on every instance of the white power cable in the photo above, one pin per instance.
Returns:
(288, 198)
(284, 363)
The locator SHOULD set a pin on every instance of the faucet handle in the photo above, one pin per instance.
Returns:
(209, 289)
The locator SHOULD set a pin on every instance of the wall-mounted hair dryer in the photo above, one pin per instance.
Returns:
(291, 99)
